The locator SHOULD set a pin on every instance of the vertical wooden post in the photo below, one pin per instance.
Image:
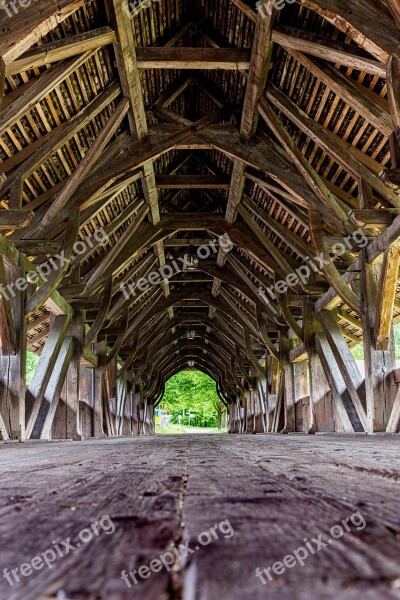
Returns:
(100, 349)
(76, 330)
(310, 323)
(135, 410)
(380, 387)
(285, 345)
(13, 365)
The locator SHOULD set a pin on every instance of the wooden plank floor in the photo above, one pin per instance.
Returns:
(275, 491)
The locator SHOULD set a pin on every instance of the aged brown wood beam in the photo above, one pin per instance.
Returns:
(182, 242)
(193, 58)
(52, 143)
(386, 297)
(14, 218)
(393, 83)
(313, 179)
(38, 247)
(327, 49)
(47, 410)
(40, 88)
(37, 388)
(394, 8)
(192, 182)
(61, 50)
(336, 147)
(346, 89)
(87, 162)
(347, 365)
(2, 83)
(258, 72)
(375, 217)
(369, 24)
(22, 27)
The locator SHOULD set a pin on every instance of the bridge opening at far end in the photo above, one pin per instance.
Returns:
(190, 404)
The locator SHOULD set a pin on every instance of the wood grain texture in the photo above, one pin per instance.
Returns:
(153, 490)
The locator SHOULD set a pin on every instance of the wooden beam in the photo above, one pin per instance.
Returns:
(87, 162)
(125, 53)
(379, 364)
(393, 83)
(327, 49)
(348, 368)
(369, 24)
(347, 156)
(393, 424)
(45, 367)
(313, 179)
(394, 8)
(2, 81)
(44, 421)
(193, 58)
(21, 31)
(386, 297)
(343, 401)
(260, 63)
(13, 366)
(374, 217)
(14, 218)
(40, 88)
(192, 182)
(52, 52)
(39, 247)
(346, 89)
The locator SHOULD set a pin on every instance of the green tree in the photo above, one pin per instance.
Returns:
(192, 392)
(31, 362)
(358, 351)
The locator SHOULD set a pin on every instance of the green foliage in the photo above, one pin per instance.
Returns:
(192, 392)
(358, 351)
(31, 362)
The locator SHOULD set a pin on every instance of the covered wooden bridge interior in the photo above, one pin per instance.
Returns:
(209, 185)
(134, 136)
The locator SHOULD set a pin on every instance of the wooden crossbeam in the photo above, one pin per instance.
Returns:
(369, 24)
(39, 247)
(192, 182)
(38, 89)
(21, 31)
(345, 88)
(342, 151)
(14, 218)
(23, 166)
(87, 162)
(61, 50)
(345, 54)
(193, 58)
